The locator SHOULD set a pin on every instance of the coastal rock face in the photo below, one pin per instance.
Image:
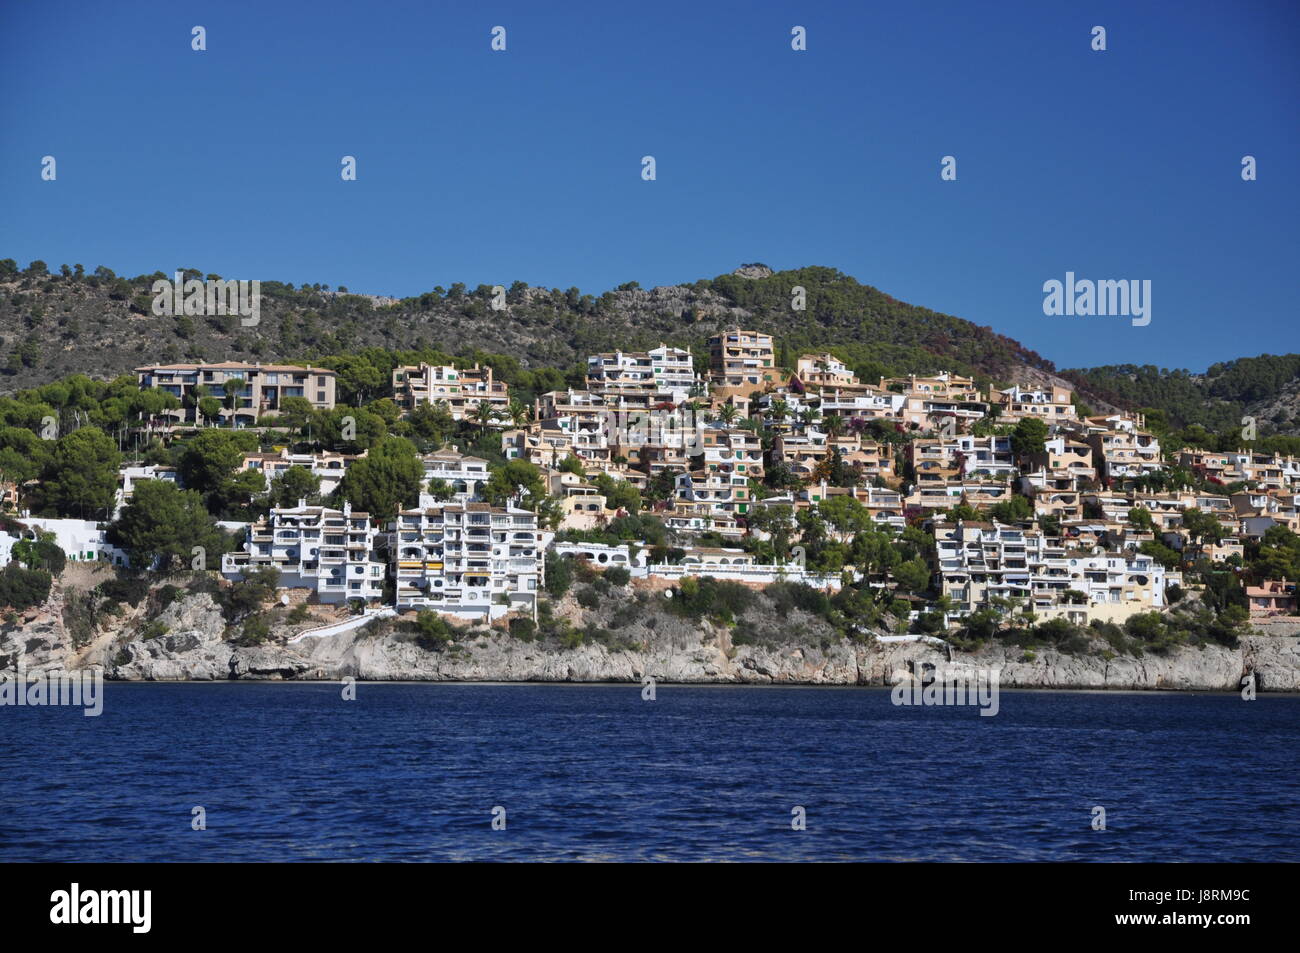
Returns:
(187, 641)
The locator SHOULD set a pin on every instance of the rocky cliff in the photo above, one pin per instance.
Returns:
(190, 640)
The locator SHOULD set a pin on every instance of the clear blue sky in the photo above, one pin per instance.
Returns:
(489, 167)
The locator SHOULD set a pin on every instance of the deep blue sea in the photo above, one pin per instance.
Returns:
(412, 772)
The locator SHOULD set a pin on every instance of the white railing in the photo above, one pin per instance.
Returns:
(753, 573)
(347, 625)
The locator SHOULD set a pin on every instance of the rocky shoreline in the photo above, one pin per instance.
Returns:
(193, 647)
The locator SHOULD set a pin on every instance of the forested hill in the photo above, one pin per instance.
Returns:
(98, 323)
(1265, 387)
(63, 320)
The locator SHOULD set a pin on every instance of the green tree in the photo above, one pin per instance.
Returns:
(1139, 517)
(208, 460)
(1029, 437)
(515, 478)
(619, 494)
(162, 525)
(80, 478)
(387, 479)
(43, 553)
(1013, 510)
(294, 484)
(913, 575)
(559, 574)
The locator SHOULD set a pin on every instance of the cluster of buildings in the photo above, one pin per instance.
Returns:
(713, 440)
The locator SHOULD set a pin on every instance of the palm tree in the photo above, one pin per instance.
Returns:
(232, 387)
(728, 413)
(518, 412)
(484, 414)
(778, 410)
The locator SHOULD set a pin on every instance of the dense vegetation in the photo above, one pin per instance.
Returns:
(60, 321)
(1266, 387)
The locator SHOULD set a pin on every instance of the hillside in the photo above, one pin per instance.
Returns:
(1265, 387)
(100, 324)
(64, 321)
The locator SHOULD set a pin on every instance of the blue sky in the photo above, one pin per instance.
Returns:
(488, 167)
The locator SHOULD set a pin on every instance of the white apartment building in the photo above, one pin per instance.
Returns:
(981, 561)
(1119, 584)
(470, 560)
(80, 540)
(661, 369)
(1121, 448)
(465, 474)
(1050, 405)
(327, 466)
(990, 455)
(724, 493)
(332, 552)
(869, 405)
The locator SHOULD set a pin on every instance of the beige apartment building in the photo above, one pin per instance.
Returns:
(262, 388)
(744, 360)
(461, 389)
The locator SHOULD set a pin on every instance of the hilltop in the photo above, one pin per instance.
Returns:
(1266, 388)
(101, 324)
(67, 320)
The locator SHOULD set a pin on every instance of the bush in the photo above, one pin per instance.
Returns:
(432, 631)
(40, 554)
(23, 588)
(126, 589)
(798, 595)
(618, 575)
(929, 623)
(167, 595)
(588, 597)
(559, 574)
(704, 596)
(255, 631)
(247, 597)
(523, 629)
(154, 630)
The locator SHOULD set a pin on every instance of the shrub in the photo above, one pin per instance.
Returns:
(588, 597)
(702, 596)
(618, 575)
(167, 595)
(797, 595)
(153, 630)
(40, 554)
(523, 629)
(559, 574)
(247, 597)
(126, 589)
(432, 631)
(929, 623)
(255, 631)
(23, 588)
